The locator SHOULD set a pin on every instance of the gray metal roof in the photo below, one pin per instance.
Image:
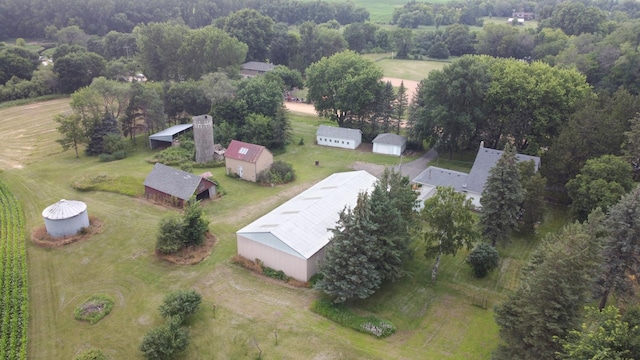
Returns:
(338, 132)
(64, 209)
(178, 183)
(485, 160)
(390, 139)
(167, 134)
(443, 177)
(257, 66)
(301, 225)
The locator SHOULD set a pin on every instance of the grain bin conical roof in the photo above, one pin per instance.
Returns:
(64, 209)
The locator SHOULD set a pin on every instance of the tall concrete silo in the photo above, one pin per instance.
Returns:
(66, 217)
(203, 136)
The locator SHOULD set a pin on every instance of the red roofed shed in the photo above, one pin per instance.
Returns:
(247, 160)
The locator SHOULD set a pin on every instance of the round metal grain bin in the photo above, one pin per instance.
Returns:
(66, 217)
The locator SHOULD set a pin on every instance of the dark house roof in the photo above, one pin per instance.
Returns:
(244, 151)
(257, 66)
(338, 132)
(486, 159)
(174, 182)
(390, 139)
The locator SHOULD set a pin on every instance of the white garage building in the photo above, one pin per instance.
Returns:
(338, 137)
(389, 144)
(292, 237)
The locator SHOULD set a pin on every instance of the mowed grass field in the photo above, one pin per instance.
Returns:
(405, 69)
(434, 321)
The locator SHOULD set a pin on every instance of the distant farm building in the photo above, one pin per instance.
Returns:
(246, 160)
(471, 184)
(523, 15)
(292, 238)
(338, 137)
(166, 137)
(254, 68)
(389, 144)
(65, 218)
(174, 186)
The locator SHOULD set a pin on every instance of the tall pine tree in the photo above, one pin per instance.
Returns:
(348, 271)
(620, 270)
(501, 199)
(548, 304)
(392, 203)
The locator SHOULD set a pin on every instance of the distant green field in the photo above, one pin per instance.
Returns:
(381, 11)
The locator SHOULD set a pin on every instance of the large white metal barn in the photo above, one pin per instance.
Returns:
(292, 238)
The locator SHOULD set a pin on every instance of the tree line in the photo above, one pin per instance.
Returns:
(31, 20)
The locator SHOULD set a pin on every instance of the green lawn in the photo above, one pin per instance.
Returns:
(405, 69)
(435, 321)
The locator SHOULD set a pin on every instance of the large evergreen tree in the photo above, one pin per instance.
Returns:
(620, 270)
(108, 126)
(347, 269)
(392, 206)
(533, 185)
(501, 199)
(548, 304)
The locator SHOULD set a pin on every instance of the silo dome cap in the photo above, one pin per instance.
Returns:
(64, 209)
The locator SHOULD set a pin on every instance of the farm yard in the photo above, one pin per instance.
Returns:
(451, 319)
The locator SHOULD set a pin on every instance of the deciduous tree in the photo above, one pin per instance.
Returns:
(604, 335)
(343, 86)
(253, 29)
(448, 225)
(600, 184)
(72, 130)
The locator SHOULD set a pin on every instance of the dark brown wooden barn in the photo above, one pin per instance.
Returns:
(174, 186)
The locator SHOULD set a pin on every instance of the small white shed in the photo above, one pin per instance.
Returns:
(66, 217)
(338, 137)
(389, 144)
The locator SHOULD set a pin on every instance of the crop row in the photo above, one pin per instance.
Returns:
(14, 304)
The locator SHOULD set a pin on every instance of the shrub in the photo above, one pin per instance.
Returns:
(94, 309)
(176, 233)
(164, 342)
(106, 157)
(275, 274)
(169, 238)
(343, 316)
(180, 304)
(247, 264)
(93, 354)
(483, 259)
(119, 155)
(280, 172)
